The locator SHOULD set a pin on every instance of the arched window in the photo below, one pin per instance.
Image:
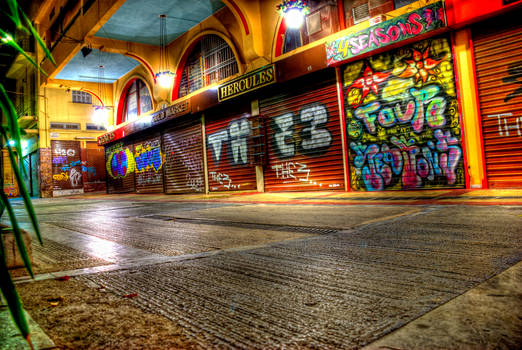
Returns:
(210, 61)
(137, 101)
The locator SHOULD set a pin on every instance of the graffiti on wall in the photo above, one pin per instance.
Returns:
(66, 165)
(120, 161)
(229, 148)
(294, 138)
(179, 152)
(148, 160)
(402, 119)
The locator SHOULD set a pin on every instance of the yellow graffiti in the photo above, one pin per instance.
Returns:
(61, 177)
(148, 158)
(124, 163)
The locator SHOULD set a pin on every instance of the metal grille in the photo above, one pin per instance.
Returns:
(184, 158)
(81, 97)
(361, 13)
(304, 136)
(498, 48)
(229, 149)
(212, 60)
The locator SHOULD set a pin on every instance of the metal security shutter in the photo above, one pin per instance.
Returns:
(67, 168)
(183, 168)
(304, 136)
(498, 60)
(119, 163)
(402, 119)
(149, 160)
(229, 150)
(93, 167)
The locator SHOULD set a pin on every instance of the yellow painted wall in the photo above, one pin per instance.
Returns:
(55, 105)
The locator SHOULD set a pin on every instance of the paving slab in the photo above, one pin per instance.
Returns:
(11, 339)
(486, 317)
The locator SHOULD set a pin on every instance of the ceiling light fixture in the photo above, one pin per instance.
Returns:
(164, 77)
(101, 112)
(294, 12)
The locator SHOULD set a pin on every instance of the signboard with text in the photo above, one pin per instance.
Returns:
(246, 83)
(421, 21)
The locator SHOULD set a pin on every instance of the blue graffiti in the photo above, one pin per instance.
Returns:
(89, 169)
(149, 158)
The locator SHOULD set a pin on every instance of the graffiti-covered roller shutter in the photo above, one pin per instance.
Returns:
(498, 61)
(229, 150)
(119, 163)
(93, 167)
(149, 160)
(184, 158)
(67, 167)
(402, 119)
(304, 136)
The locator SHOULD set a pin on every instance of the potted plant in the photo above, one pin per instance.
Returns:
(10, 137)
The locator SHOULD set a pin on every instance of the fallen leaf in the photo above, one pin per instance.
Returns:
(55, 301)
(63, 278)
(133, 295)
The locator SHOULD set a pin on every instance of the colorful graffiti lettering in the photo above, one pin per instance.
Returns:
(147, 157)
(404, 129)
(59, 159)
(120, 162)
(75, 177)
(61, 177)
(89, 169)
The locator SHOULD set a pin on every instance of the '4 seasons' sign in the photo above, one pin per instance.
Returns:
(409, 25)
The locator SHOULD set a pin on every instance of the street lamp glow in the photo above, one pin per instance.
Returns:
(165, 79)
(294, 18)
(99, 117)
(11, 143)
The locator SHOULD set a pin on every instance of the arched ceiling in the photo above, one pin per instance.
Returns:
(138, 20)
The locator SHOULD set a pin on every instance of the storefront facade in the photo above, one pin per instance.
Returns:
(383, 108)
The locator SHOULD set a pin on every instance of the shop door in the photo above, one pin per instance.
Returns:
(498, 61)
(149, 160)
(402, 119)
(93, 168)
(184, 158)
(119, 163)
(35, 163)
(230, 151)
(304, 136)
(67, 168)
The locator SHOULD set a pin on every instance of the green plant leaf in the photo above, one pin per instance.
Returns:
(12, 122)
(17, 47)
(23, 190)
(17, 233)
(37, 37)
(11, 296)
(13, 8)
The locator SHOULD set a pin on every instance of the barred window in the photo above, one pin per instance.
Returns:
(81, 97)
(210, 61)
(137, 101)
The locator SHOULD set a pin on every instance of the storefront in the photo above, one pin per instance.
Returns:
(497, 46)
(304, 146)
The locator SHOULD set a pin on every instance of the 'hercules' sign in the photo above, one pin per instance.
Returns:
(246, 83)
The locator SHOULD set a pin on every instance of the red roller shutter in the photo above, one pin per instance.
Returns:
(67, 168)
(149, 160)
(229, 150)
(119, 163)
(498, 60)
(402, 119)
(183, 169)
(93, 167)
(304, 136)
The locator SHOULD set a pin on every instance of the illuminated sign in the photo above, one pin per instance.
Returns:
(409, 25)
(248, 82)
(105, 138)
